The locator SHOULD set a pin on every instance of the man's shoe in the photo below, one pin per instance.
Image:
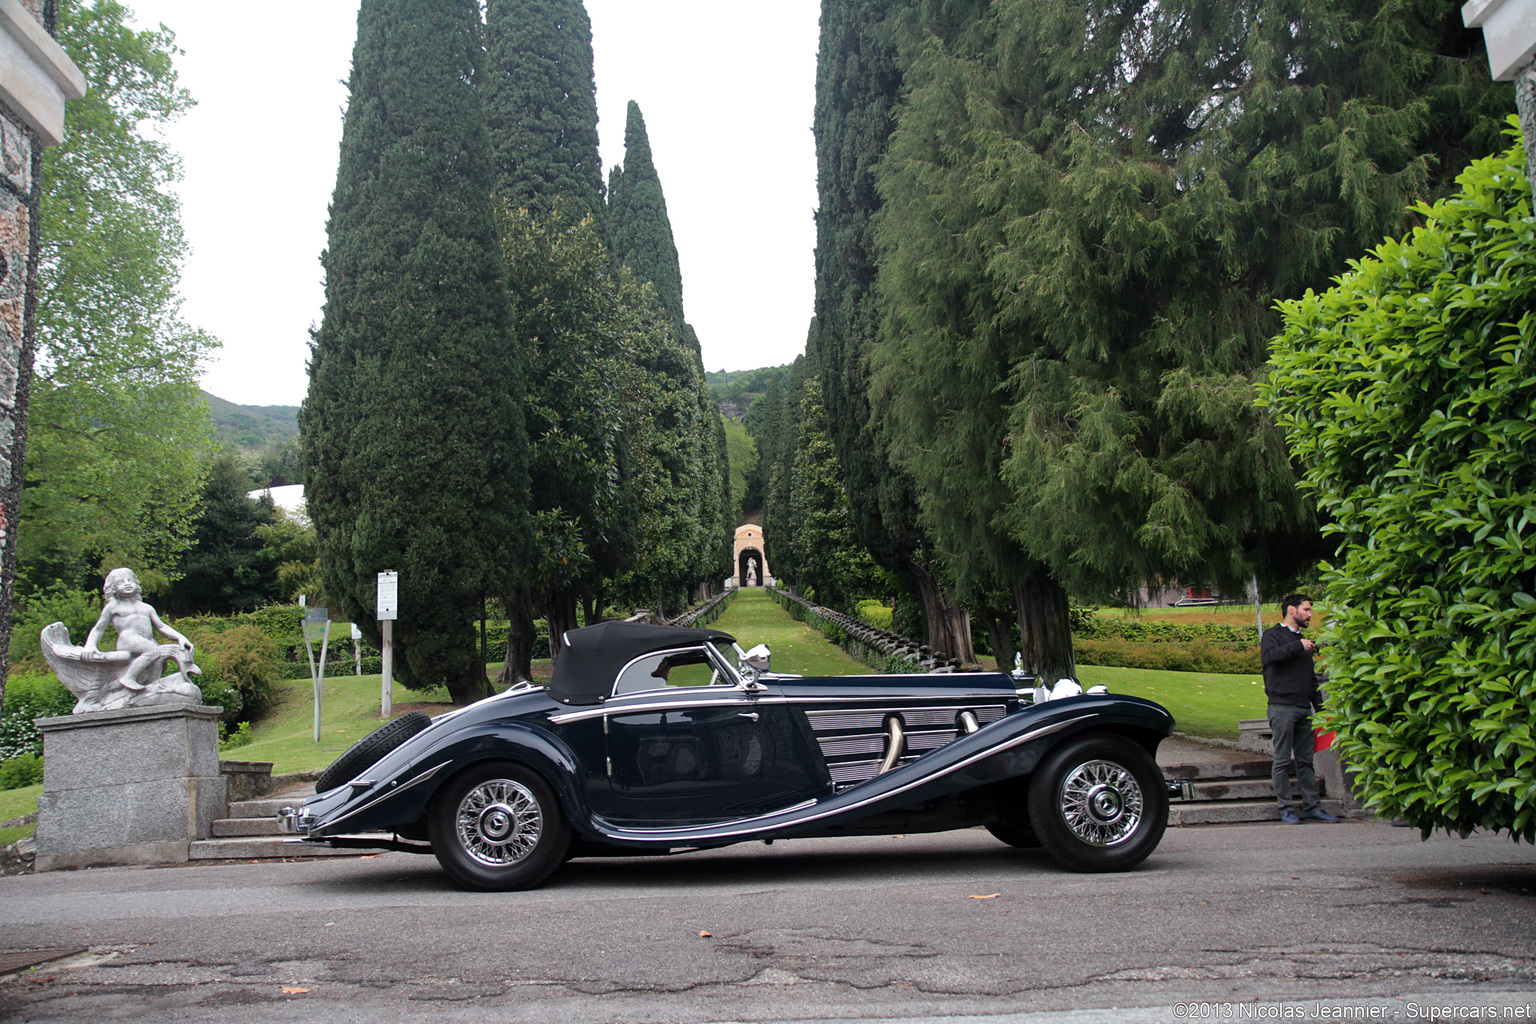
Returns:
(1318, 814)
(1289, 817)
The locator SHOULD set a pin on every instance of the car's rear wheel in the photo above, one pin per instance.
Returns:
(370, 750)
(498, 828)
(1098, 803)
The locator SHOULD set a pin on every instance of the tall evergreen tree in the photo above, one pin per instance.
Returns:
(858, 82)
(672, 458)
(565, 311)
(640, 235)
(1088, 221)
(827, 556)
(229, 568)
(414, 445)
(639, 230)
(541, 106)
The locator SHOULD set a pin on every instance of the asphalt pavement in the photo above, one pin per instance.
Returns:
(1354, 921)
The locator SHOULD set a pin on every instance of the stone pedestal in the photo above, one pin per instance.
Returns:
(128, 787)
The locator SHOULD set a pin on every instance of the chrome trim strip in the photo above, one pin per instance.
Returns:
(418, 780)
(859, 702)
(685, 828)
(738, 827)
(678, 700)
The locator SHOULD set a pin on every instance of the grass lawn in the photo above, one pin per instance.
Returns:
(13, 804)
(1203, 703)
(755, 618)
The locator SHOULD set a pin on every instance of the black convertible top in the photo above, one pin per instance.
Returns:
(591, 657)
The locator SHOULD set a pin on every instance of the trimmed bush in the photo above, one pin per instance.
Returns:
(16, 772)
(1408, 394)
(1195, 656)
(240, 666)
(28, 697)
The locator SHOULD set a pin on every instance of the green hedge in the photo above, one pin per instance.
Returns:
(28, 697)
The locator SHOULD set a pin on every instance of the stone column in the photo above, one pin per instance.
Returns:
(36, 77)
(1509, 32)
(128, 787)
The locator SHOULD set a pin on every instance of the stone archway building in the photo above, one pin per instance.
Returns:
(751, 559)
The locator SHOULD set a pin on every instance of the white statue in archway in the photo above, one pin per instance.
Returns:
(751, 573)
(129, 676)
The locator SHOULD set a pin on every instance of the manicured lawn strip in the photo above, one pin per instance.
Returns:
(13, 804)
(755, 618)
(1203, 704)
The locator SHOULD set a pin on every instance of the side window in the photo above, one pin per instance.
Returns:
(670, 668)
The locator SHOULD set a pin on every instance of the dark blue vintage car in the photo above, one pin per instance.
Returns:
(656, 739)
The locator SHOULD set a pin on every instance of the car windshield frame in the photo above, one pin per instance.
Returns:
(729, 677)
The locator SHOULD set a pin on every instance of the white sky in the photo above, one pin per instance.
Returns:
(727, 91)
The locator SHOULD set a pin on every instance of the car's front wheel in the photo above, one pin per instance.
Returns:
(1098, 803)
(498, 828)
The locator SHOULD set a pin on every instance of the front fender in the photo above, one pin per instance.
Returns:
(399, 796)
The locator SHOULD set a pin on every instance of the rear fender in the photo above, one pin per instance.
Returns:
(403, 798)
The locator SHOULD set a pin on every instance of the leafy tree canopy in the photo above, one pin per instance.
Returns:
(118, 428)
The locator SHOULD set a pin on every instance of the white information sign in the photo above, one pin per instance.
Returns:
(389, 595)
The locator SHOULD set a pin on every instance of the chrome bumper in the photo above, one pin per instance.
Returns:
(293, 821)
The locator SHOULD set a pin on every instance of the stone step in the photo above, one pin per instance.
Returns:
(266, 807)
(231, 828)
(261, 848)
(1230, 812)
(1243, 789)
(1214, 770)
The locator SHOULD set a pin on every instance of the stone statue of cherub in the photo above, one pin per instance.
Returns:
(131, 675)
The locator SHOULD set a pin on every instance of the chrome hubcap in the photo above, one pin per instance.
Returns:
(499, 822)
(1101, 803)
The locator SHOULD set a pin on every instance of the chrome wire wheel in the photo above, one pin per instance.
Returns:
(499, 822)
(1101, 803)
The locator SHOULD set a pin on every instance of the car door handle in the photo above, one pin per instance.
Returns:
(747, 714)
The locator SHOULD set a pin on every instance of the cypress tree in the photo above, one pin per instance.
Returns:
(858, 82)
(1087, 223)
(412, 432)
(640, 233)
(541, 107)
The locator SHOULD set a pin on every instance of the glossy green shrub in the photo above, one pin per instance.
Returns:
(1408, 395)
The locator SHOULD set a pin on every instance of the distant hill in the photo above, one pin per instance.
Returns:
(253, 426)
(735, 390)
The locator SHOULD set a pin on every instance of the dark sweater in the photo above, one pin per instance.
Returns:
(1288, 676)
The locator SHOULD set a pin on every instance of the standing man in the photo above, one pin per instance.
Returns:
(1290, 684)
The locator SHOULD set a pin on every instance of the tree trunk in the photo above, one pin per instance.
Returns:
(470, 686)
(560, 609)
(946, 625)
(593, 606)
(521, 632)
(1045, 627)
(1000, 631)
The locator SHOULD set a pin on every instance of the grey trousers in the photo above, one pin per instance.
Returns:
(1294, 741)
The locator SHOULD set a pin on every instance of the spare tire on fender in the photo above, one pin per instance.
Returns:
(370, 750)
